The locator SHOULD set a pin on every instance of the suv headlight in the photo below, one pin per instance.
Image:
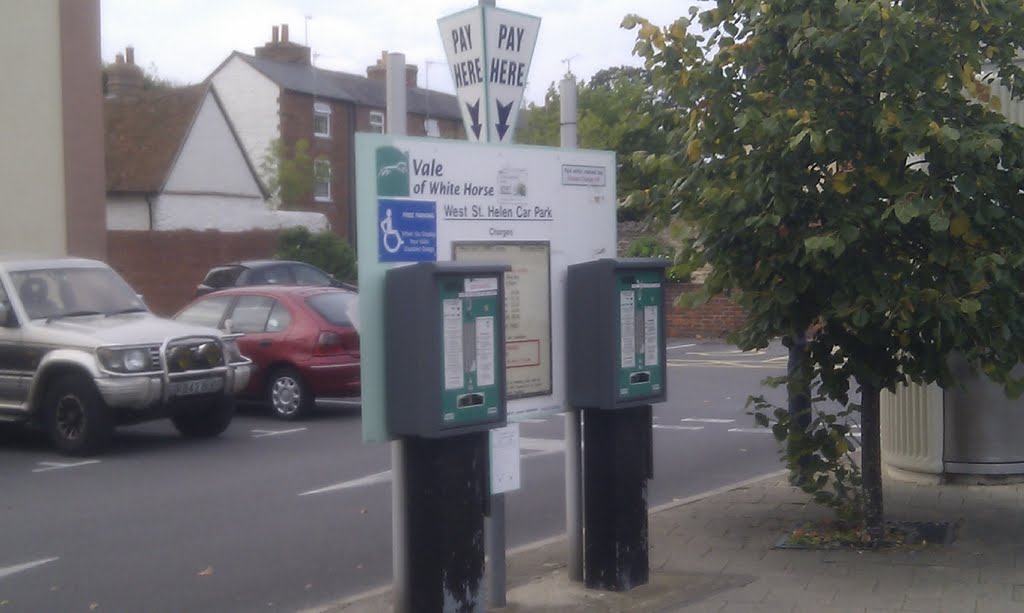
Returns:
(127, 360)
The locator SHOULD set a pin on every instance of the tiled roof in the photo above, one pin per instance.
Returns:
(144, 134)
(352, 88)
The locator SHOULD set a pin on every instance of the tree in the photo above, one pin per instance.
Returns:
(324, 249)
(290, 172)
(612, 115)
(845, 167)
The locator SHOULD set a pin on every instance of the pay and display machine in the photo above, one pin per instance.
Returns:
(445, 348)
(616, 333)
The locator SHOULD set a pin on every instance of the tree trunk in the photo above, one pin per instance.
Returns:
(798, 391)
(871, 461)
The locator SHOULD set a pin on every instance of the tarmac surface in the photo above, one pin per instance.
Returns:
(719, 552)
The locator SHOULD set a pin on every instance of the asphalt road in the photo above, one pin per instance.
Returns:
(282, 516)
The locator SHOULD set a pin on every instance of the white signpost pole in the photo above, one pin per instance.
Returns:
(573, 426)
(395, 119)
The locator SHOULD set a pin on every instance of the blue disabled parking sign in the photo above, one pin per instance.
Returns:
(406, 230)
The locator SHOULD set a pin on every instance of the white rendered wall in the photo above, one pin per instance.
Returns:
(31, 122)
(210, 160)
(250, 101)
(227, 214)
(127, 213)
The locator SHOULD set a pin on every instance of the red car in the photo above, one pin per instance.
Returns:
(300, 339)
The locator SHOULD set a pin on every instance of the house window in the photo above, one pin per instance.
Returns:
(321, 120)
(377, 121)
(431, 127)
(322, 181)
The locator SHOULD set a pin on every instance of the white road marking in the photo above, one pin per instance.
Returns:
(262, 433)
(531, 421)
(381, 477)
(17, 568)
(682, 346)
(540, 446)
(751, 430)
(661, 427)
(48, 466)
(708, 420)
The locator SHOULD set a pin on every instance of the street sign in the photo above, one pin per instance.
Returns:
(489, 51)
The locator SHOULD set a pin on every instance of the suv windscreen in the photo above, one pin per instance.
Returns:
(333, 306)
(59, 292)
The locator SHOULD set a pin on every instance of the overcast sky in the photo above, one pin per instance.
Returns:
(185, 40)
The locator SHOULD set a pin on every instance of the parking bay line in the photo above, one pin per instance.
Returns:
(48, 466)
(663, 427)
(536, 446)
(17, 568)
(262, 433)
(708, 420)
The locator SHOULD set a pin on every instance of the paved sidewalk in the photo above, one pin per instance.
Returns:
(715, 553)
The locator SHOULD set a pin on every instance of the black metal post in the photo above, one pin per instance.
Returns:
(447, 486)
(617, 462)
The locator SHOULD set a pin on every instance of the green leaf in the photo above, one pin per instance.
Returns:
(969, 306)
(906, 210)
(939, 222)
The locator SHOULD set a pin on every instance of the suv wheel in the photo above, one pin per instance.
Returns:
(288, 395)
(75, 417)
(208, 422)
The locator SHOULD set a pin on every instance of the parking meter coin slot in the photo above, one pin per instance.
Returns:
(639, 377)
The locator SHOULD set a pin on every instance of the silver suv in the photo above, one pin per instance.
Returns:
(80, 354)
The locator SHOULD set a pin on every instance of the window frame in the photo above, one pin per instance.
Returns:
(319, 182)
(378, 121)
(321, 110)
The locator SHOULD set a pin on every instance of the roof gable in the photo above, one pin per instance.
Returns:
(144, 134)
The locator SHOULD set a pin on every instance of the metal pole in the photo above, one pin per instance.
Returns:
(573, 427)
(396, 107)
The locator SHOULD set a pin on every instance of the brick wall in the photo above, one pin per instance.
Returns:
(165, 267)
(712, 320)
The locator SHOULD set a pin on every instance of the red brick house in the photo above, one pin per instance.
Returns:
(278, 93)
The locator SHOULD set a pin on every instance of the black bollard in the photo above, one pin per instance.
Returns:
(447, 492)
(617, 462)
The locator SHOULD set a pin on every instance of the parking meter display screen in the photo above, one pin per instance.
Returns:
(469, 309)
(640, 303)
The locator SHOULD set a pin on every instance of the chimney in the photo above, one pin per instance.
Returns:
(280, 49)
(124, 78)
(379, 71)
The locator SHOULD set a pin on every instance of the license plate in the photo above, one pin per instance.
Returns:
(197, 386)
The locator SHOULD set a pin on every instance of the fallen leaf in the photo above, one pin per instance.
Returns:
(206, 572)
(362, 511)
(94, 606)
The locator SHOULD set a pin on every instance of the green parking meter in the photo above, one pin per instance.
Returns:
(444, 338)
(616, 332)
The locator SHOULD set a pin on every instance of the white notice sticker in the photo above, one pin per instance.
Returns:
(452, 331)
(485, 350)
(627, 327)
(650, 335)
(505, 458)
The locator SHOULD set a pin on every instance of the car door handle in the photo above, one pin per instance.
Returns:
(265, 343)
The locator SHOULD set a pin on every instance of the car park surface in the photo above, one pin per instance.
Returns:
(80, 353)
(301, 341)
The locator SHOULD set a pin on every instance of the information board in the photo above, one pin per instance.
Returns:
(530, 207)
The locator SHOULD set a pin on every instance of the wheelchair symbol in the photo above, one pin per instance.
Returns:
(391, 239)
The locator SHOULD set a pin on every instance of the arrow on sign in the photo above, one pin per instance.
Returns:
(503, 112)
(474, 114)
